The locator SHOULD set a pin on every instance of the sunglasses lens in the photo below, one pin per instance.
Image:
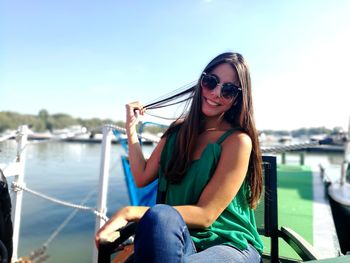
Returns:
(209, 82)
(229, 91)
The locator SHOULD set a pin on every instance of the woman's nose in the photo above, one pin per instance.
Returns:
(217, 91)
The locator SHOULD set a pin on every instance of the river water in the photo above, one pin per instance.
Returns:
(70, 171)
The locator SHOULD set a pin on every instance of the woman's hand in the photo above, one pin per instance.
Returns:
(132, 111)
(108, 232)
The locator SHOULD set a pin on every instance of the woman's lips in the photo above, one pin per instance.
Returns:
(211, 102)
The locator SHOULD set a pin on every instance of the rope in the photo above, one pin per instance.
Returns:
(16, 187)
(39, 252)
(123, 130)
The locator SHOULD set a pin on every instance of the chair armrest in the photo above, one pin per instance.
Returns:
(107, 248)
(303, 248)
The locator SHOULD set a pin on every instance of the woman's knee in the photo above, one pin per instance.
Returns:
(160, 215)
(158, 224)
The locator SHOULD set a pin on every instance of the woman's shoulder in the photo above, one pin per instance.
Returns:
(238, 138)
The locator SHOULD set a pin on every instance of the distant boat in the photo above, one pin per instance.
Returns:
(339, 199)
(335, 138)
(285, 139)
(40, 135)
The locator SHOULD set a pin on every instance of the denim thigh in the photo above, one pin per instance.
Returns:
(225, 254)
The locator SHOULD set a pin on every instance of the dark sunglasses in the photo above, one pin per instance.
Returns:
(228, 90)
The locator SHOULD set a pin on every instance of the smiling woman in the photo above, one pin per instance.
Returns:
(209, 168)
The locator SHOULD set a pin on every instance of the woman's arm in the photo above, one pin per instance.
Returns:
(126, 214)
(143, 171)
(223, 186)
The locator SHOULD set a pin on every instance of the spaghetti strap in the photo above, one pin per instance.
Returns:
(228, 133)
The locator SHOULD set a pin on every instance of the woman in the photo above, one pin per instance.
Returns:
(209, 169)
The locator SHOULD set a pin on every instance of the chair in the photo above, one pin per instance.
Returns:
(266, 216)
(267, 223)
(3, 253)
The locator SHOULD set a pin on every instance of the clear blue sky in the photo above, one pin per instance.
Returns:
(89, 58)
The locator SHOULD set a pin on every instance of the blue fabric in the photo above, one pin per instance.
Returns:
(162, 236)
(139, 196)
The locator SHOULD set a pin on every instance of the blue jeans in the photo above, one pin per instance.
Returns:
(162, 236)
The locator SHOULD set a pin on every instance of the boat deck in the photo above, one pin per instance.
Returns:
(303, 207)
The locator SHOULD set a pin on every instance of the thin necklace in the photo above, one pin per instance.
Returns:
(217, 124)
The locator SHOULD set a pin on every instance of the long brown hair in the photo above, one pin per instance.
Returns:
(239, 115)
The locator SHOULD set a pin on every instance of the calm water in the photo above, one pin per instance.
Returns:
(69, 171)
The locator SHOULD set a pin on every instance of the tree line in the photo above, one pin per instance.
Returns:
(46, 122)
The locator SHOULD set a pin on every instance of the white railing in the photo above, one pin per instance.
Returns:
(103, 182)
(16, 168)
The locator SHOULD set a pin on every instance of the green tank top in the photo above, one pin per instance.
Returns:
(236, 225)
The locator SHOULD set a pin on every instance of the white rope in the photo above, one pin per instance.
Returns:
(154, 139)
(16, 187)
(41, 250)
(114, 127)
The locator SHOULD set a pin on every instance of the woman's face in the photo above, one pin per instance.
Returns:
(213, 104)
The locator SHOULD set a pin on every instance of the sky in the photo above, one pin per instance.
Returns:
(89, 58)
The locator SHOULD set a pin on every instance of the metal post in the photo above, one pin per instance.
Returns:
(302, 158)
(103, 182)
(19, 178)
(283, 156)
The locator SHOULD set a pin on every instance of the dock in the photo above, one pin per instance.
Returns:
(304, 208)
